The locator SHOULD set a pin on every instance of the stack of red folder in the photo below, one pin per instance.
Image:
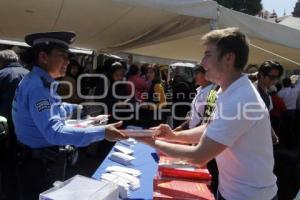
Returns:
(172, 167)
(179, 189)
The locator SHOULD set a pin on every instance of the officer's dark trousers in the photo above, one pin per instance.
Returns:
(36, 175)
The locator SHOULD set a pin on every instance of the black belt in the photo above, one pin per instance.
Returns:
(53, 153)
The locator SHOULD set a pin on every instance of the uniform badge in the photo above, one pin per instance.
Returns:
(42, 105)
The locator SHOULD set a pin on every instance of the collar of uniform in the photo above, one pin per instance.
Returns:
(233, 87)
(44, 75)
(39, 71)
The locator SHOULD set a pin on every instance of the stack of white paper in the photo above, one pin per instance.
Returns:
(123, 179)
(133, 172)
(91, 121)
(129, 142)
(121, 158)
(82, 188)
(122, 149)
(124, 186)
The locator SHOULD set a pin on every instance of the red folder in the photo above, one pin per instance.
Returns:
(177, 189)
(172, 167)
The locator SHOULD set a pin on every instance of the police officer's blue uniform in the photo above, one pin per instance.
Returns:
(39, 115)
(39, 118)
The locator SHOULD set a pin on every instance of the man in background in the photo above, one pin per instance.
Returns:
(11, 73)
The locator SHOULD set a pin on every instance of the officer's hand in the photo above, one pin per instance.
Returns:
(113, 134)
(164, 131)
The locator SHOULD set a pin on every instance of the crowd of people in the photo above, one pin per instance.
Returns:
(236, 120)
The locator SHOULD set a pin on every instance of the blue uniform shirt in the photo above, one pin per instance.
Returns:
(39, 115)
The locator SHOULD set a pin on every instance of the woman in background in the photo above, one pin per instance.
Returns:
(155, 98)
(139, 84)
(117, 91)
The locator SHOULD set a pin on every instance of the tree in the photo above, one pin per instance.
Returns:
(251, 7)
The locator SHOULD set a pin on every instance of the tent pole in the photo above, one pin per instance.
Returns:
(275, 54)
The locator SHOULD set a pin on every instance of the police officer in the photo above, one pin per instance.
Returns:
(39, 116)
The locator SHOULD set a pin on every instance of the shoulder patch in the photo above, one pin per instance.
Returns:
(43, 105)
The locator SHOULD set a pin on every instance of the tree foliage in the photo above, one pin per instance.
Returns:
(251, 7)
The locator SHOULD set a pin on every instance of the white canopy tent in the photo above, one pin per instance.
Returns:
(161, 28)
(293, 22)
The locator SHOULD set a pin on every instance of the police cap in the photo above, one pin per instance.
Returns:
(61, 39)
